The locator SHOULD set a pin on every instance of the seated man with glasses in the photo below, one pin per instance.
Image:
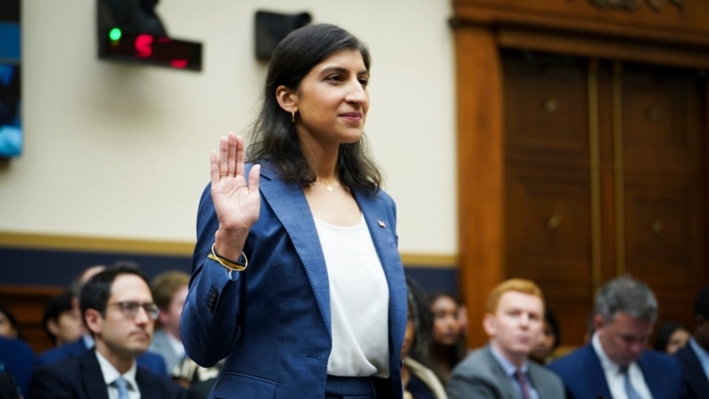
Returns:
(117, 308)
(150, 360)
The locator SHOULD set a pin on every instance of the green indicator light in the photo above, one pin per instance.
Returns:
(115, 34)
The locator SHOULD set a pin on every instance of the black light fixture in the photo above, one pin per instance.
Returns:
(131, 31)
(272, 27)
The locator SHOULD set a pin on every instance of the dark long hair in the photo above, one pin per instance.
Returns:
(274, 137)
(419, 308)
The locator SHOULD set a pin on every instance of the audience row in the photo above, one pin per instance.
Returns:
(106, 340)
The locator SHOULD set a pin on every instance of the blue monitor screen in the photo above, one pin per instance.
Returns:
(10, 122)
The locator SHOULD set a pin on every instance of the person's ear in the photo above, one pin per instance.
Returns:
(489, 325)
(598, 322)
(163, 317)
(287, 99)
(94, 321)
(52, 327)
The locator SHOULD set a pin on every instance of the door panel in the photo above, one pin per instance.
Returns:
(650, 203)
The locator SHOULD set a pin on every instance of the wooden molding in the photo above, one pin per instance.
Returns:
(646, 37)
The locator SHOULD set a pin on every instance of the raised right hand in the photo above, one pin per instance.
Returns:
(237, 204)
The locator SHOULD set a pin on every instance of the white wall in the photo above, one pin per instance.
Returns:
(121, 151)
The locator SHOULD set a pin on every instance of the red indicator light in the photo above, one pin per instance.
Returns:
(178, 63)
(143, 45)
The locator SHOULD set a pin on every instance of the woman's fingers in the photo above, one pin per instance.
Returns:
(213, 167)
(240, 156)
(231, 161)
(223, 156)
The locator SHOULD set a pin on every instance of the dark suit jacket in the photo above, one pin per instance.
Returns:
(584, 378)
(481, 376)
(695, 381)
(148, 360)
(272, 322)
(17, 357)
(81, 378)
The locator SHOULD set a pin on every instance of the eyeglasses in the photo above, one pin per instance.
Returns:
(130, 308)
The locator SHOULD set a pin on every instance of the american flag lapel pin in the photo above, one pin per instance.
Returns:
(381, 224)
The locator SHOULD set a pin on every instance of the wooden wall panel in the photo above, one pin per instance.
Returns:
(601, 157)
(27, 304)
(480, 146)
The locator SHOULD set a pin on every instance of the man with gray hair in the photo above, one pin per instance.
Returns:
(616, 362)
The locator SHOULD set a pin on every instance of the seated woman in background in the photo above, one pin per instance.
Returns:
(544, 351)
(418, 380)
(447, 345)
(671, 337)
(60, 320)
(9, 327)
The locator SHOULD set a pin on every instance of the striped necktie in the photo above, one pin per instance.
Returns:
(524, 387)
(629, 390)
(122, 386)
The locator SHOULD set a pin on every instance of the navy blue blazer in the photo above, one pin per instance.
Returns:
(17, 358)
(272, 321)
(81, 378)
(696, 383)
(148, 360)
(584, 378)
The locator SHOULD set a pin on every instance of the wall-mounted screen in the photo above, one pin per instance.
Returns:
(10, 101)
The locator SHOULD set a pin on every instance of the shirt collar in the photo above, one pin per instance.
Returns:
(88, 341)
(606, 361)
(110, 374)
(507, 366)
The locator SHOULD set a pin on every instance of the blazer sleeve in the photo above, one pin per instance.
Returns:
(209, 324)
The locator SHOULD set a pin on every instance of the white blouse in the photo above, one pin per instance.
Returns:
(359, 301)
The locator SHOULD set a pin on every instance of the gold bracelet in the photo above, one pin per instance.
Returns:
(226, 262)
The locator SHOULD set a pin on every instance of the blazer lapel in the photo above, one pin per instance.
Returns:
(290, 206)
(148, 388)
(595, 374)
(506, 387)
(380, 226)
(92, 377)
(654, 382)
(694, 373)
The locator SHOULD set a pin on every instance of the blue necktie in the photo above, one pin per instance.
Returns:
(629, 390)
(122, 386)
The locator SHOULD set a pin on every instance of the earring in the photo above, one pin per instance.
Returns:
(292, 116)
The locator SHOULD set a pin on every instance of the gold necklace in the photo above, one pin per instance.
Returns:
(327, 183)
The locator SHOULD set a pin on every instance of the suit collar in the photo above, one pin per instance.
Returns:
(91, 376)
(500, 374)
(693, 371)
(595, 376)
(291, 207)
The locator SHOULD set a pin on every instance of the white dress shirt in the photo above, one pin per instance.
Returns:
(615, 377)
(110, 374)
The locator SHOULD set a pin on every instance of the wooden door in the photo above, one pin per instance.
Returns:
(604, 175)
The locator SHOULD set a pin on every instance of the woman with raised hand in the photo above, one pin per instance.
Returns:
(296, 279)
